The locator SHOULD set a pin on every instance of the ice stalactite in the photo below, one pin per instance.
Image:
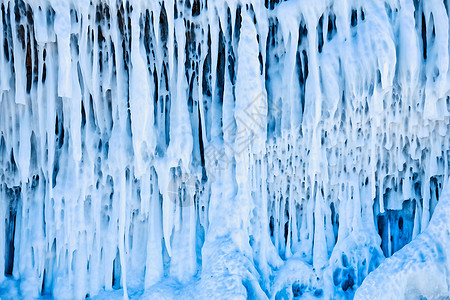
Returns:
(259, 149)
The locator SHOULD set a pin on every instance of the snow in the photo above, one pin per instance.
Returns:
(224, 149)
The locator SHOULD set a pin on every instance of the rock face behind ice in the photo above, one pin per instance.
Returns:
(224, 149)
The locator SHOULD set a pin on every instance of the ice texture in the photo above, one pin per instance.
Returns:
(168, 149)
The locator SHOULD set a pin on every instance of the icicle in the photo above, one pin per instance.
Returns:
(62, 29)
(320, 256)
(254, 138)
(141, 105)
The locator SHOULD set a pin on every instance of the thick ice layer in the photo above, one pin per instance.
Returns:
(223, 149)
(420, 269)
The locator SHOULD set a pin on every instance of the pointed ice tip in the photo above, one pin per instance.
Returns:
(168, 247)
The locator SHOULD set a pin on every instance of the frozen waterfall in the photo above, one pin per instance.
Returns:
(215, 149)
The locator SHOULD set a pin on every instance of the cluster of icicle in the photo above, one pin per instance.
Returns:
(228, 149)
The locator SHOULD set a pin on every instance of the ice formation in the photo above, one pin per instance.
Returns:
(224, 149)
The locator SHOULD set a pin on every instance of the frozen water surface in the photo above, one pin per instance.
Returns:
(224, 149)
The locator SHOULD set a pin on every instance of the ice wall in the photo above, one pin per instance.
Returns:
(225, 149)
(418, 270)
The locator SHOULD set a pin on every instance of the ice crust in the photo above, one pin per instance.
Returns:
(224, 149)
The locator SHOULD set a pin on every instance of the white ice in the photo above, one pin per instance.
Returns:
(224, 149)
